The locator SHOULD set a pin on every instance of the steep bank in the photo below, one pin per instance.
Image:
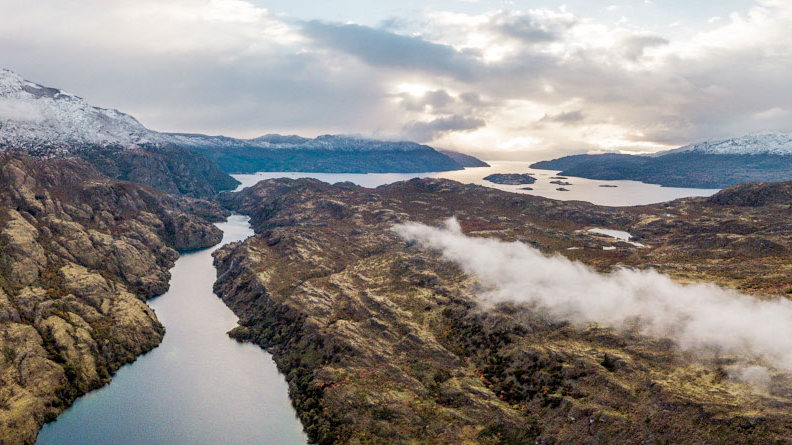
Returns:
(198, 386)
(79, 254)
(384, 341)
(169, 168)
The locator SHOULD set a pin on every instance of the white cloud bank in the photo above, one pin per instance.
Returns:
(698, 317)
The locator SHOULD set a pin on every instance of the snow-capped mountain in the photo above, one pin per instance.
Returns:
(39, 118)
(278, 142)
(712, 164)
(50, 122)
(756, 144)
(36, 117)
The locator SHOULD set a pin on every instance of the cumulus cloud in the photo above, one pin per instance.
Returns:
(698, 317)
(232, 67)
(379, 47)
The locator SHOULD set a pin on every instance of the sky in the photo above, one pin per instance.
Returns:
(512, 79)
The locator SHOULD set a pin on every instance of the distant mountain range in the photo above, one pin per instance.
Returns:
(327, 154)
(712, 164)
(49, 122)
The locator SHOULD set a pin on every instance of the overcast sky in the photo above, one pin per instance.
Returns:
(518, 79)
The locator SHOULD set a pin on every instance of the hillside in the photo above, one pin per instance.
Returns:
(383, 340)
(714, 164)
(47, 122)
(326, 154)
(79, 254)
(463, 159)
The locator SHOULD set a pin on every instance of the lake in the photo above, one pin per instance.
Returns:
(609, 193)
(198, 387)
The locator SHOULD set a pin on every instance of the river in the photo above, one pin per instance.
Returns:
(198, 387)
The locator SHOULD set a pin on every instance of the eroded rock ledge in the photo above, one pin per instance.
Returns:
(383, 342)
(79, 254)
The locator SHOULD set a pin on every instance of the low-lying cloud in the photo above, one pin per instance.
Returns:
(698, 317)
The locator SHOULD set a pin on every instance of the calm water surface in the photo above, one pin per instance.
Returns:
(198, 387)
(201, 387)
(625, 193)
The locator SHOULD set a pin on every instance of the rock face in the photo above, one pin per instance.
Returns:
(510, 178)
(79, 254)
(170, 168)
(382, 341)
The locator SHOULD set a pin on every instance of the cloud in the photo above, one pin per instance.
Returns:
(772, 113)
(634, 46)
(702, 318)
(229, 66)
(437, 100)
(378, 47)
(567, 117)
(18, 111)
(525, 27)
(427, 131)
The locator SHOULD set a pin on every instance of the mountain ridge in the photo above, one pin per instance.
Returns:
(718, 163)
(49, 122)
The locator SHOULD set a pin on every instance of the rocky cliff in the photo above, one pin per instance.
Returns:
(79, 254)
(383, 341)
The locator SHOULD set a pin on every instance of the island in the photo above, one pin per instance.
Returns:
(510, 178)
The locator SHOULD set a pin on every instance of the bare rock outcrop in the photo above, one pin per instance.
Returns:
(79, 254)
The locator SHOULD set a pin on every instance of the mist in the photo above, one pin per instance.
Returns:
(698, 317)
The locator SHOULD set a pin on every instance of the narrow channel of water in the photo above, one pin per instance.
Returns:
(198, 387)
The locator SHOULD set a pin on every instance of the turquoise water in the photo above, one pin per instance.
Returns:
(198, 387)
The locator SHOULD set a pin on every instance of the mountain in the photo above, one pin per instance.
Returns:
(48, 122)
(328, 154)
(79, 254)
(712, 164)
(385, 340)
(463, 159)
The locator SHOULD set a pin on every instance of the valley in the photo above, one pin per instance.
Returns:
(382, 340)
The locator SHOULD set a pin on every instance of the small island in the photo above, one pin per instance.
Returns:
(560, 182)
(510, 178)
(609, 186)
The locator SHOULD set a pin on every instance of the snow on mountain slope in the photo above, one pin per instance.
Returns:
(756, 144)
(277, 142)
(50, 121)
(36, 117)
